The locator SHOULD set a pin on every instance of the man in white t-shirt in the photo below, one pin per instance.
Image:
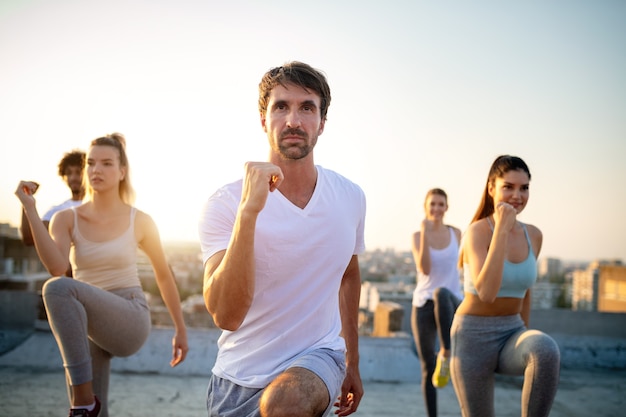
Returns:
(280, 249)
(71, 169)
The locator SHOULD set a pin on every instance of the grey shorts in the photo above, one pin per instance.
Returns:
(227, 399)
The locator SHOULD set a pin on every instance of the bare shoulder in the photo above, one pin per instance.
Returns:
(145, 227)
(416, 240)
(536, 237)
(143, 219)
(533, 231)
(63, 217)
(479, 228)
(457, 232)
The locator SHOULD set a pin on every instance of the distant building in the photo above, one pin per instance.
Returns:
(20, 267)
(545, 295)
(612, 289)
(600, 287)
(548, 268)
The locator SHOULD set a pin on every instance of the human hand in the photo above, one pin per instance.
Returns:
(505, 216)
(427, 225)
(25, 191)
(260, 179)
(179, 349)
(351, 393)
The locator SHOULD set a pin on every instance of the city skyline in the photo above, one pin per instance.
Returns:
(425, 94)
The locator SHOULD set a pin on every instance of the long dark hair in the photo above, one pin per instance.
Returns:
(500, 166)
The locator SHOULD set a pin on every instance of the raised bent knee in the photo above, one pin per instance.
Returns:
(56, 285)
(291, 395)
(545, 350)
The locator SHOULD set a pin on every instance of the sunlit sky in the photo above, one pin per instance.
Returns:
(424, 94)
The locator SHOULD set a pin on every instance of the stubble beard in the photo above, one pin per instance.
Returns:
(295, 152)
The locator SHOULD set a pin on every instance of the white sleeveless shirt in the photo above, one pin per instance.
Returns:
(444, 272)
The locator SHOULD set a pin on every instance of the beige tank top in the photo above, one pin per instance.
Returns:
(108, 265)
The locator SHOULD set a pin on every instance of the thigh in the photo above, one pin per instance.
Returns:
(472, 366)
(524, 346)
(119, 320)
(310, 383)
(425, 333)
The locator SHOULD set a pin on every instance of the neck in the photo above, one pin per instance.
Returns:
(109, 200)
(299, 182)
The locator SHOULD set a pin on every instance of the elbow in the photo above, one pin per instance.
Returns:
(224, 317)
(226, 323)
(225, 320)
(487, 296)
(57, 272)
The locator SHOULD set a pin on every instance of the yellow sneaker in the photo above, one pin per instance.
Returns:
(441, 376)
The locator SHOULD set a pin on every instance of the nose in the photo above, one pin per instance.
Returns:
(293, 119)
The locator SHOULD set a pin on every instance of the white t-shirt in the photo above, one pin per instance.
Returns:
(300, 258)
(66, 204)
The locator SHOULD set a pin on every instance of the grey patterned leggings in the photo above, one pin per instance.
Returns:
(91, 326)
(482, 346)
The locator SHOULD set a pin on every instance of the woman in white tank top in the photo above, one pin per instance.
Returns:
(437, 294)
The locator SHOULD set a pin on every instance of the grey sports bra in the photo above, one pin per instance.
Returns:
(516, 277)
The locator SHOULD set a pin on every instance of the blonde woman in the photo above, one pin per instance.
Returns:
(437, 294)
(102, 312)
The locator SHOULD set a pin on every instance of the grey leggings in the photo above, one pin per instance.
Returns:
(91, 326)
(482, 346)
(427, 322)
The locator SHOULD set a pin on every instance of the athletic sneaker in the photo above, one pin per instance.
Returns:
(441, 376)
(83, 412)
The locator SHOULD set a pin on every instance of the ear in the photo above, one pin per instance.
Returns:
(320, 130)
(263, 122)
(123, 171)
(490, 188)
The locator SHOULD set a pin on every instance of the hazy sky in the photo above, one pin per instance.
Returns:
(424, 94)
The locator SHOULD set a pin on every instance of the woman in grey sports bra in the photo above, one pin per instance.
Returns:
(490, 330)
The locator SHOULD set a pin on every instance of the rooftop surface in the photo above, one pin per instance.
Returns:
(32, 383)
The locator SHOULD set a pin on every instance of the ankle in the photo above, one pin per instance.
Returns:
(88, 407)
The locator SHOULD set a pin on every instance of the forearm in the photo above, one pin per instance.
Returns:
(229, 282)
(424, 262)
(489, 279)
(48, 252)
(525, 313)
(171, 298)
(27, 235)
(350, 293)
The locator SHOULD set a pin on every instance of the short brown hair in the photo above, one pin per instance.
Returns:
(297, 73)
